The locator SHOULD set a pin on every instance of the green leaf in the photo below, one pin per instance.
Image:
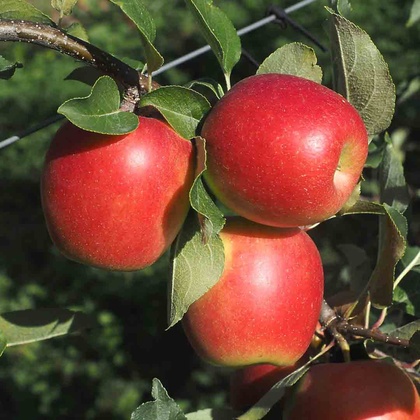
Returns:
(22, 10)
(163, 408)
(296, 59)
(213, 414)
(28, 326)
(208, 83)
(85, 74)
(196, 267)
(361, 74)
(138, 13)
(376, 151)
(364, 207)
(393, 187)
(3, 343)
(65, 7)
(213, 219)
(77, 29)
(277, 391)
(100, 111)
(414, 13)
(183, 108)
(392, 244)
(343, 7)
(219, 33)
(407, 331)
(408, 290)
(7, 69)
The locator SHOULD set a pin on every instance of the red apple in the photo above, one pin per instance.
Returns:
(359, 390)
(249, 384)
(266, 304)
(283, 150)
(116, 202)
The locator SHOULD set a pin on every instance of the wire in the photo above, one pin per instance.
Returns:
(187, 57)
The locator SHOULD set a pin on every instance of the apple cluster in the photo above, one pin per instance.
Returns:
(283, 153)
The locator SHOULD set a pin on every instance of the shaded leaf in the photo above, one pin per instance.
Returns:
(392, 244)
(163, 408)
(414, 13)
(393, 188)
(277, 391)
(376, 151)
(3, 343)
(183, 108)
(28, 326)
(77, 29)
(363, 207)
(213, 414)
(296, 59)
(196, 267)
(100, 111)
(7, 69)
(65, 7)
(85, 74)
(138, 13)
(219, 33)
(408, 290)
(213, 219)
(361, 74)
(208, 83)
(415, 344)
(22, 10)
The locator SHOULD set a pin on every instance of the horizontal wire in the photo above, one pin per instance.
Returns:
(187, 57)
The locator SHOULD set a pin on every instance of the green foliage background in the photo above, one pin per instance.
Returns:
(106, 372)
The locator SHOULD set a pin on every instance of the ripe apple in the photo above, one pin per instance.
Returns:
(266, 304)
(116, 202)
(359, 390)
(249, 384)
(284, 151)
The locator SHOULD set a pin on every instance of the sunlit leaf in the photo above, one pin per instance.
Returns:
(100, 111)
(65, 7)
(213, 219)
(162, 408)
(138, 13)
(213, 414)
(183, 108)
(219, 33)
(296, 59)
(22, 10)
(28, 326)
(361, 74)
(196, 267)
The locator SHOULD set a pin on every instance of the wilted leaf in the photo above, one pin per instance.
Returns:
(65, 7)
(163, 408)
(414, 13)
(361, 74)
(219, 33)
(28, 326)
(138, 13)
(392, 243)
(7, 69)
(100, 111)
(393, 187)
(264, 405)
(213, 219)
(183, 108)
(22, 10)
(196, 267)
(296, 59)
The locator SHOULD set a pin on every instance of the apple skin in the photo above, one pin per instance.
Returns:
(358, 390)
(283, 150)
(265, 306)
(249, 384)
(116, 202)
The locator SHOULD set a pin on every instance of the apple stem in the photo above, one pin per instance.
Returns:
(227, 79)
(339, 328)
(54, 38)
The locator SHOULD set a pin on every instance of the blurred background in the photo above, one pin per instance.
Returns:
(106, 372)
